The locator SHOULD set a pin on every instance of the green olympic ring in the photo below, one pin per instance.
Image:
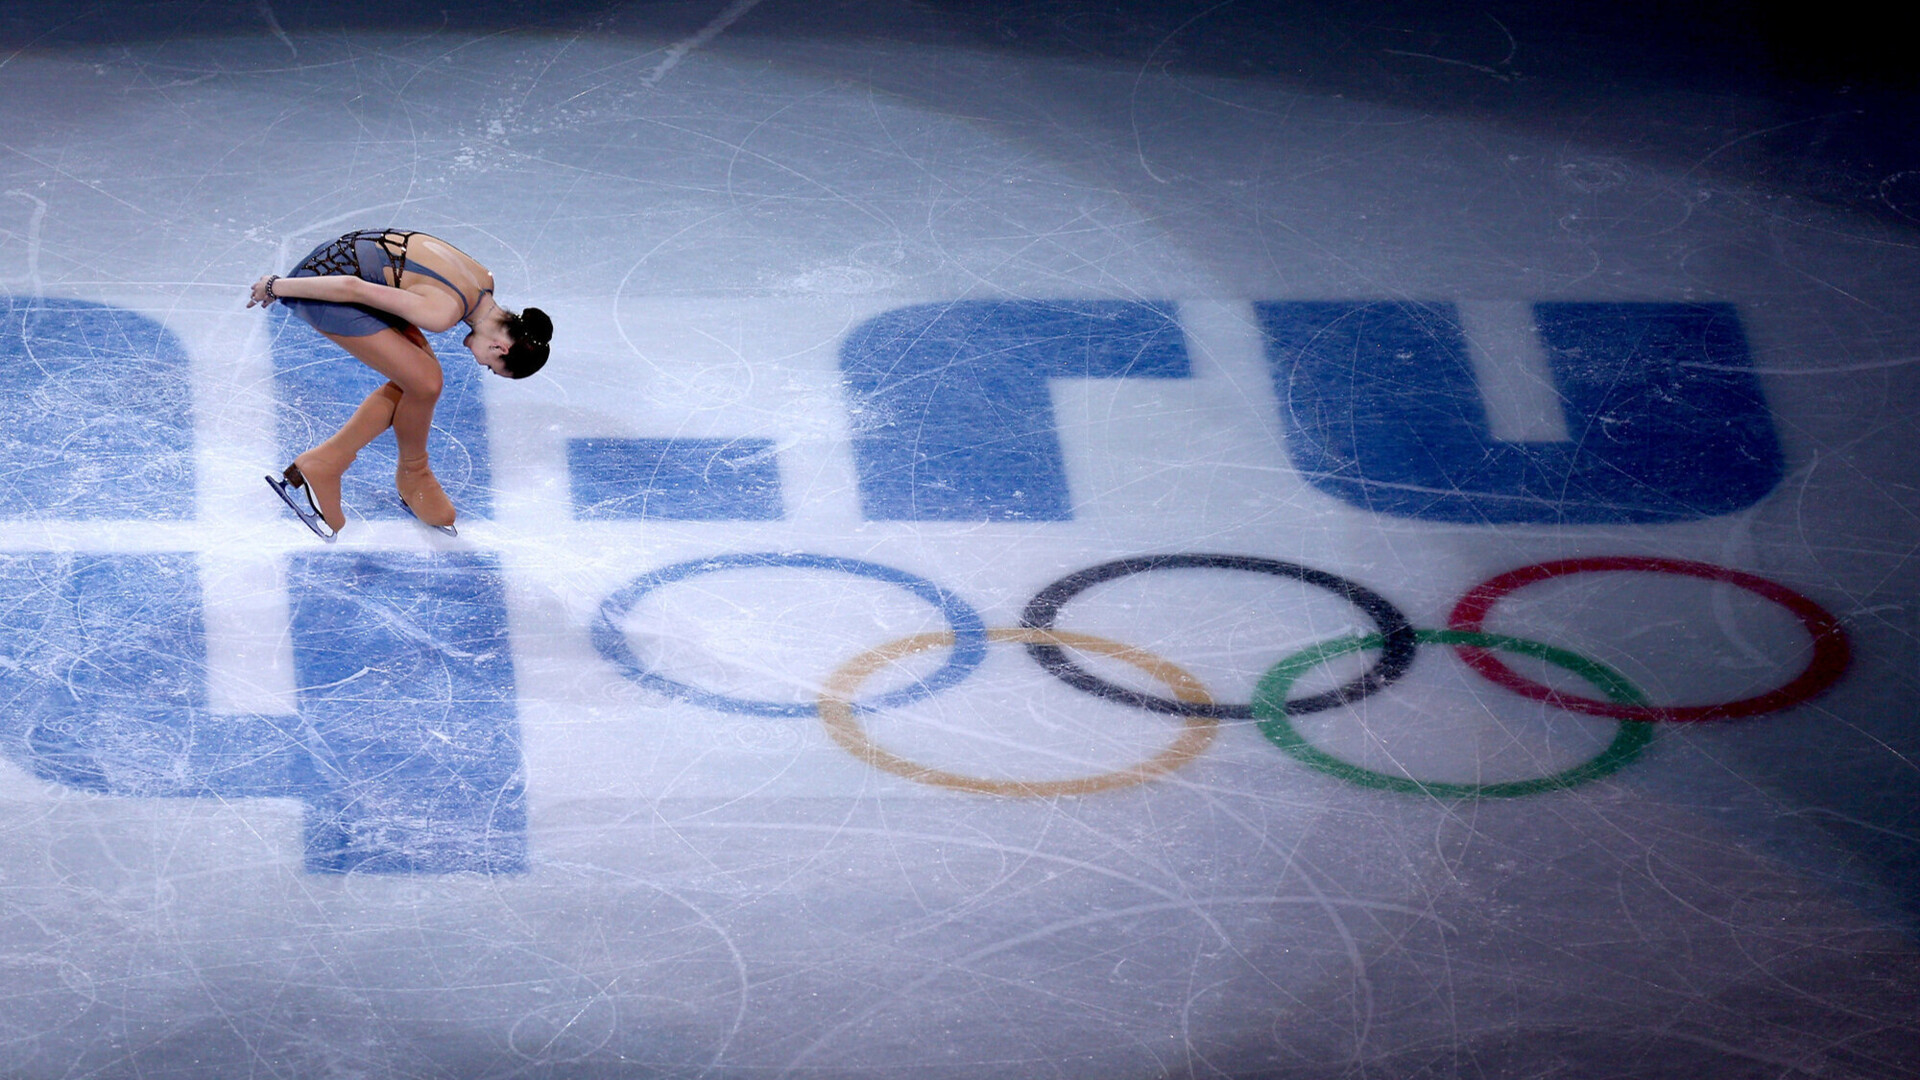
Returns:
(1270, 709)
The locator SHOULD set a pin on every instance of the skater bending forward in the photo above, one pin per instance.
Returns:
(372, 293)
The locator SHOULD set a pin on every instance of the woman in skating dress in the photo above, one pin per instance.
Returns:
(373, 293)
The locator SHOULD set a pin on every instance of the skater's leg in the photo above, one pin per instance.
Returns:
(374, 416)
(320, 468)
(413, 368)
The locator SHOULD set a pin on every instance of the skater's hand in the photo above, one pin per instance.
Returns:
(259, 294)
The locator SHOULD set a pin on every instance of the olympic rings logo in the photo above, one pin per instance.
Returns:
(1394, 639)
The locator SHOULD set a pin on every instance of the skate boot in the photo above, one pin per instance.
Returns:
(423, 497)
(316, 477)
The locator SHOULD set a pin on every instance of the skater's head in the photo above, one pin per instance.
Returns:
(531, 331)
(514, 346)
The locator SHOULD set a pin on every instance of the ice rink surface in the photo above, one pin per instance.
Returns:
(1058, 540)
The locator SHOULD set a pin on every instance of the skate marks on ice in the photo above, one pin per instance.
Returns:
(735, 734)
(1223, 695)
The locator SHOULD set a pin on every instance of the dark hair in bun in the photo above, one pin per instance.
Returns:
(531, 331)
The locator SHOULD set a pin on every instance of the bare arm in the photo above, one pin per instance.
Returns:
(433, 310)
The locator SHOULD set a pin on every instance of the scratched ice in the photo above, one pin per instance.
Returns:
(1059, 540)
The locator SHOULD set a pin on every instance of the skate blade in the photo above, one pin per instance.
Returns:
(447, 530)
(309, 515)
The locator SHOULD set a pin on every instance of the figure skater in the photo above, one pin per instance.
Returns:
(372, 293)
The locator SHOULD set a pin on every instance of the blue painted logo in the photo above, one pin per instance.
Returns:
(404, 747)
(98, 414)
(951, 416)
(1666, 419)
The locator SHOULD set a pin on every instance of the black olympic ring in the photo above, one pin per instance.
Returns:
(1397, 636)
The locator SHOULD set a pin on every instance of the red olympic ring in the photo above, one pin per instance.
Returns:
(1831, 653)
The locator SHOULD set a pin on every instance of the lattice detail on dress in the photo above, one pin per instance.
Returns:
(342, 256)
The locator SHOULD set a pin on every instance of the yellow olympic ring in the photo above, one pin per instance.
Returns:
(836, 711)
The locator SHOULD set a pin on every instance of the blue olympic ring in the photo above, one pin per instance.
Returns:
(969, 631)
